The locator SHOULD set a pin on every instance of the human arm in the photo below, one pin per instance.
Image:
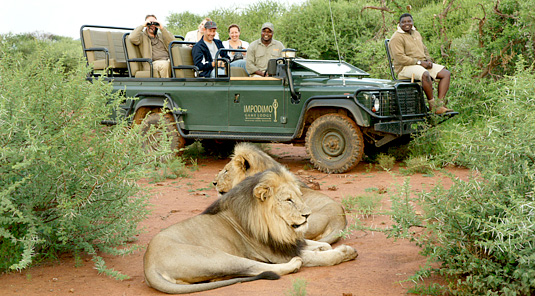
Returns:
(397, 50)
(199, 59)
(167, 36)
(135, 36)
(250, 64)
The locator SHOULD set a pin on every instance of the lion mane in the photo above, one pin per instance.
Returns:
(328, 218)
(257, 217)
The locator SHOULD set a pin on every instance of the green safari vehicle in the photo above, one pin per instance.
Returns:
(331, 107)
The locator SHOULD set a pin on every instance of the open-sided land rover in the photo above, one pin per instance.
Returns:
(331, 107)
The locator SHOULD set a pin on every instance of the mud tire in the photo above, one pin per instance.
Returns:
(152, 142)
(334, 143)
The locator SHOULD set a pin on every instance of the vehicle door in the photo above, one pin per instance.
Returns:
(204, 102)
(258, 104)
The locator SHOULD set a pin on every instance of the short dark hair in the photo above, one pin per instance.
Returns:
(149, 15)
(405, 15)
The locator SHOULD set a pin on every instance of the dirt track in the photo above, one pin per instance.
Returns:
(380, 268)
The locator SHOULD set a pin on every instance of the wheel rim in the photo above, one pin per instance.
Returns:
(333, 144)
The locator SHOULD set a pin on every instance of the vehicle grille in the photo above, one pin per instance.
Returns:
(409, 100)
(383, 102)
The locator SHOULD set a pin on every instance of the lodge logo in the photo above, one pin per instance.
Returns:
(261, 113)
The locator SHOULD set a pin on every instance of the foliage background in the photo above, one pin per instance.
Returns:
(481, 232)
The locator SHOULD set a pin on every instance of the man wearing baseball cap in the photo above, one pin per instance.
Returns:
(204, 52)
(262, 50)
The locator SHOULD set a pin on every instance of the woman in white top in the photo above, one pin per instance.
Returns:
(195, 35)
(234, 42)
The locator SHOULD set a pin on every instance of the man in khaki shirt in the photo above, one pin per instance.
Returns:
(154, 45)
(411, 60)
(262, 50)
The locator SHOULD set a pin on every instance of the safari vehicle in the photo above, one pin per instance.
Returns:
(331, 107)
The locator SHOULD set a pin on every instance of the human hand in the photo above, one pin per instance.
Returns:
(153, 23)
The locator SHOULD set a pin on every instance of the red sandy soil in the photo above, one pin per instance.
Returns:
(381, 268)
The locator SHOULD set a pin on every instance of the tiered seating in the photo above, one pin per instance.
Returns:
(103, 48)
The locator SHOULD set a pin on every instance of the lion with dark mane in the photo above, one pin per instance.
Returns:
(327, 219)
(255, 231)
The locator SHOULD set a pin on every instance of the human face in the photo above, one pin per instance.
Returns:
(152, 29)
(209, 34)
(267, 35)
(406, 24)
(234, 34)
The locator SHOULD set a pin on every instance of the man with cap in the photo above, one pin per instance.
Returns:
(204, 51)
(262, 50)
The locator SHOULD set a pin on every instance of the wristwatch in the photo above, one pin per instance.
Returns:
(418, 62)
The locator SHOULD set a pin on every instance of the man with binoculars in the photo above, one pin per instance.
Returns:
(154, 45)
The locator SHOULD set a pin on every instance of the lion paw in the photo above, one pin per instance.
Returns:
(348, 253)
(297, 262)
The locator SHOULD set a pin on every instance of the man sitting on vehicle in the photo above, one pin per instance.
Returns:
(411, 60)
(204, 52)
(154, 45)
(262, 50)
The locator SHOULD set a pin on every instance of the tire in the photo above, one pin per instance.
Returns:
(152, 142)
(334, 143)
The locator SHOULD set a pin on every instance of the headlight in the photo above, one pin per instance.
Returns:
(289, 53)
(376, 104)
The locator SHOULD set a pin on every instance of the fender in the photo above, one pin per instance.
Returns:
(343, 102)
(157, 100)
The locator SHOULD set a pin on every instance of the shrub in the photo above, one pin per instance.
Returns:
(385, 161)
(482, 230)
(67, 183)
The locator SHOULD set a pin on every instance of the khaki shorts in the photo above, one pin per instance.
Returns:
(418, 71)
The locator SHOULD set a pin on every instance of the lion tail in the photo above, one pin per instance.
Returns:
(161, 284)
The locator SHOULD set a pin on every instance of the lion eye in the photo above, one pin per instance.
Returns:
(290, 200)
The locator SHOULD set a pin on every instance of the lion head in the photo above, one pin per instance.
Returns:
(246, 160)
(269, 207)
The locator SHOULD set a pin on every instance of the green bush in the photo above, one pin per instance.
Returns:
(67, 183)
(482, 230)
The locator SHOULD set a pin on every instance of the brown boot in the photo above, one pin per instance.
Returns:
(438, 108)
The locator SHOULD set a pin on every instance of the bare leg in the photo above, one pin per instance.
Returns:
(444, 84)
(427, 85)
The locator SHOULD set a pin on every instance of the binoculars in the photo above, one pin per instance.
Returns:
(153, 24)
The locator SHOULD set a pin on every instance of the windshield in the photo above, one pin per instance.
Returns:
(324, 67)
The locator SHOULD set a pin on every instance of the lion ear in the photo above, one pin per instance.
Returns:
(262, 191)
(243, 163)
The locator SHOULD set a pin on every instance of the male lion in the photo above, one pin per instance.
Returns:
(255, 231)
(328, 217)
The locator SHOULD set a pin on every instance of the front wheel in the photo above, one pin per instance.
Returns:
(156, 127)
(335, 143)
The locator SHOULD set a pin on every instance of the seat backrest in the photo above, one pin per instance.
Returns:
(115, 41)
(389, 57)
(182, 57)
(93, 39)
(238, 72)
(132, 52)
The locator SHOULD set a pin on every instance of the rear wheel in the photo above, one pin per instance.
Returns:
(156, 128)
(335, 143)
